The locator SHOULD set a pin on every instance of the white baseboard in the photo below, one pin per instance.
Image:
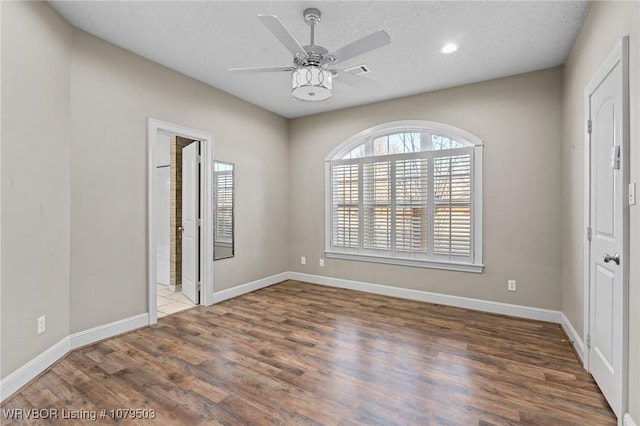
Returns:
(578, 344)
(33, 368)
(102, 332)
(23, 375)
(442, 299)
(230, 293)
(628, 421)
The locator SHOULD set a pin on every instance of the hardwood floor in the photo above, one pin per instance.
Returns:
(296, 353)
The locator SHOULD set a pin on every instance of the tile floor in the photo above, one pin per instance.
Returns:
(170, 302)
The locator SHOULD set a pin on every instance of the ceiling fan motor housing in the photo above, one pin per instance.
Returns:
(316, 56)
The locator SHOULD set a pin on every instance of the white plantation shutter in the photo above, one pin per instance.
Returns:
(376, 188)
(452, 203)
(409, 202)
(345, 197)
(400, 194)
(411, 196)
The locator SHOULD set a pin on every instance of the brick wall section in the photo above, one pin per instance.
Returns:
(175, 206)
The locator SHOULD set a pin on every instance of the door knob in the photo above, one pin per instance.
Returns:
(180, 229)
(608, 258)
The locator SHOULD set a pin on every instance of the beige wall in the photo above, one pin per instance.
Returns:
(518, 118)
(113, 93)
(36, 51)
(74, 164)
(603, 28)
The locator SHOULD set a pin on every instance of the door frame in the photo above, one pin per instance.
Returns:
(619, 55)
(154, 127)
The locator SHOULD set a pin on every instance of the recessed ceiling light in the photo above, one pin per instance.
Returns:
(449, 48)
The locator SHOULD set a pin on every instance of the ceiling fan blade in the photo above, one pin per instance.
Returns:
(280, 31)
(262, 69)
(356, 80)
(365, 44)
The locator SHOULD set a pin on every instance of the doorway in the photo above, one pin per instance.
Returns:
(607, 220)
(173, 269)
(168, 206)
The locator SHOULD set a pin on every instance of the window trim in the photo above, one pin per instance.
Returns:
(413, 126)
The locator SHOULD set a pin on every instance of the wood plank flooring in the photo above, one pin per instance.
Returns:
(301, 354)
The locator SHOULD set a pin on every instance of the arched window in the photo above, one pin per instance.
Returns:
(407, 192)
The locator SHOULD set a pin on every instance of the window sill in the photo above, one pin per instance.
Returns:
(433, 264)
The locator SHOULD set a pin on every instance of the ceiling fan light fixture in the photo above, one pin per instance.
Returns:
(311, 83)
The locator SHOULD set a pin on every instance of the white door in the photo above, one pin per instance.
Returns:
(190, 229)
(607, 295)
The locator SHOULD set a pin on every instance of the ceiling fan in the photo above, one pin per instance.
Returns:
(313, 66)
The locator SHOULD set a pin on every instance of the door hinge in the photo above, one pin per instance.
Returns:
(199, 158)
(589, 233)
(589, 126)
(588, 341)
(198, 287)
(199, 222)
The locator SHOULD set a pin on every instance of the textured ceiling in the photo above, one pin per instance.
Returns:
(204, 39)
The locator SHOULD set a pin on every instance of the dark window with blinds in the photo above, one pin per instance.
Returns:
(405, 195)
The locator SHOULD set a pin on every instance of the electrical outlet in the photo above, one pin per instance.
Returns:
(321, 263)
(303, 260)
(41, 325)
(511, 285)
